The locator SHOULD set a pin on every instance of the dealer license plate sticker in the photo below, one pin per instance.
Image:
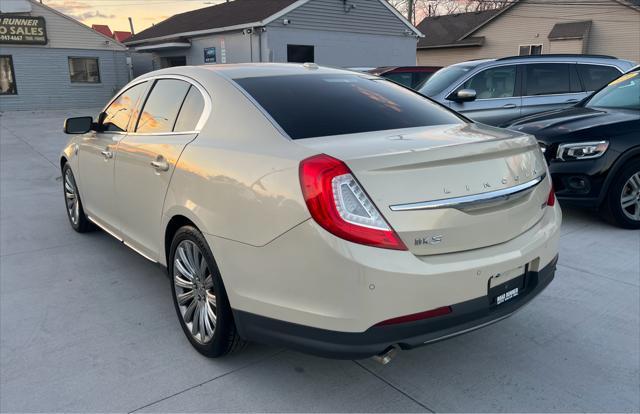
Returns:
(507, 296)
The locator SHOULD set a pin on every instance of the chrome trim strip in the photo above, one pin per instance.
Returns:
(106, 230)
(154, 134)
(472, 200)
(208, 102)
(94, 221)
(139, 252)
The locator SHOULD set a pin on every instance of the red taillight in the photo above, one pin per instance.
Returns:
(339, 204)
(445, 310)
(551, 201)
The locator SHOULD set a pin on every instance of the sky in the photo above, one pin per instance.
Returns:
(115, 12)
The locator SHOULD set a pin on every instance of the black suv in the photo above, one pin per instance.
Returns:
(593, 149)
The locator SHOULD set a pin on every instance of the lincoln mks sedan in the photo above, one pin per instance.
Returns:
(328, 211)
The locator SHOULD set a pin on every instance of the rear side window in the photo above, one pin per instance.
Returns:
(118, 114)
(191, 111)
(547, 79)
(595, 76)
(162, 106)
(317, 105)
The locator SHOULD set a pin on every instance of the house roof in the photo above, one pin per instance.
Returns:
(571, 30)
(222, 15)
(103, 29)
(121, 36)
(233, 15)
(451, 30)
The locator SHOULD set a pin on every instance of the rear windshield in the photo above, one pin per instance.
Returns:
(307, 106)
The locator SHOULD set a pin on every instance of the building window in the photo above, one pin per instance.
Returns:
(84, 70)
(300, 54)
(7, 76)
(526, 50)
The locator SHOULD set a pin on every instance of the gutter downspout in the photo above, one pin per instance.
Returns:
(260, 43)
(251, 43)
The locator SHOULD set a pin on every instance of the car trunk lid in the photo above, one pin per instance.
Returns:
(447, 188)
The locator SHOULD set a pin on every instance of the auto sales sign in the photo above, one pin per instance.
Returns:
(22, 30)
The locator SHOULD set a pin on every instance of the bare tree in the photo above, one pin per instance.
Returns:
(416, 10)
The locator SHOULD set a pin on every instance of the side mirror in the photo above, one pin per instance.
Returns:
(80, 125)
(464, 95)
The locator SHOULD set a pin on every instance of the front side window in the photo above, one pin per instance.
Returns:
(623, 93)
(499, 82)
(595, 77)
(547, 79)
(7, 76)
(84, 70)
(118, 114)
(162, 106)
(443, 78)
(308, 106)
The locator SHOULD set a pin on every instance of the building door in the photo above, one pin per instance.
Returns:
(300, 53)
(173, 61)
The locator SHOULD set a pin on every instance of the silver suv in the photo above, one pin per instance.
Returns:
(498, 91)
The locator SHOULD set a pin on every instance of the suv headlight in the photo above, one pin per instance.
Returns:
(582, 150)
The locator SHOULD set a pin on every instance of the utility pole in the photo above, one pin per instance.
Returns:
(410, 11)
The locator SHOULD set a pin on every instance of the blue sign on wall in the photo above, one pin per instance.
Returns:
(210, 55)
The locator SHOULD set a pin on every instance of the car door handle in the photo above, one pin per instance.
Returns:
(160, 164)
(107, 154)
(509, 106)
(571, 101)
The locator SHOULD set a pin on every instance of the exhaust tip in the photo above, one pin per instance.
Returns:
(386, 356)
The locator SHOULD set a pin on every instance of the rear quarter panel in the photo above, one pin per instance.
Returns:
(238, 179)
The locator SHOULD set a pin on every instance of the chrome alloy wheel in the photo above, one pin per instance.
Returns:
(630, 198)
(193, 284)
(71, 195)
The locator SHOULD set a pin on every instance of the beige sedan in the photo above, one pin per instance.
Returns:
(324, 210)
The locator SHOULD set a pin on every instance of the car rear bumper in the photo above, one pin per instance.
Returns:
(465, 317)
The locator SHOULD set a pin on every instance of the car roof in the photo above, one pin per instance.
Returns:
(600, 59)
(249, 70)
(417, 68)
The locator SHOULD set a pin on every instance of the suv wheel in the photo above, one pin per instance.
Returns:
(199, 296)
(623, 200)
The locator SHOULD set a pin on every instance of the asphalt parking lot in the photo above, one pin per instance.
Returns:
(88, 325)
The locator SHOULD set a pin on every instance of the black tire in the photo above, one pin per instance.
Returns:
(614, 210)
(225, 338)
(75, 212)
